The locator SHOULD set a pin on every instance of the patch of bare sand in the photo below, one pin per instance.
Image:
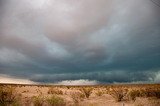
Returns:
(105, 100)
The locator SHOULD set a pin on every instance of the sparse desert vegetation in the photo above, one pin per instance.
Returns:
(77, 97)
(55, 91)
(56, 101)
(117, 93)
(86, 91)
(104, 95)
(8, 96)
(38, 100)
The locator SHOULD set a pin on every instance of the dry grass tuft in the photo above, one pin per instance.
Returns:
(55, 91)
(77, 97)
(56, 101)
(8, 96)
(133, 93)
(118, 93)
(38, 100)
(87, 91)
(99, 93)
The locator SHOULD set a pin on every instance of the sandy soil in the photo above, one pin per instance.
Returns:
(27, 92)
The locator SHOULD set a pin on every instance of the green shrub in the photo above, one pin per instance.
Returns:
(38, 100)
(56, 101)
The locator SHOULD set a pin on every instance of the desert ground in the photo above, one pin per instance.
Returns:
(98, 95)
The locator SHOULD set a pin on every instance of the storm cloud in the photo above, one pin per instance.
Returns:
(107, 41)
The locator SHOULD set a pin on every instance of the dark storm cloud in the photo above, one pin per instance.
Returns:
(107, 40)
(101, 76)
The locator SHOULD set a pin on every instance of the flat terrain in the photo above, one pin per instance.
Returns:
(99, 95)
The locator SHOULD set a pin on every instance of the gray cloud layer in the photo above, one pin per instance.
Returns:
(103, 40)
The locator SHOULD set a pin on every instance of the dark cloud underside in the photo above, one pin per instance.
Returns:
(104, 40)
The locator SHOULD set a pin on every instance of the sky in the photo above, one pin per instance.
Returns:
(79, 41)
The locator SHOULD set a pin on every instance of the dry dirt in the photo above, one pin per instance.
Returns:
(74, 95)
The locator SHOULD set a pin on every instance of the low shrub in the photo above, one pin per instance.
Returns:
(151, 93)
(55, 91)
(8, 96)
(118, 93)
(77, 97)
(87, 91)
(68, 87)
(99, 93)
(56, 101)
(38, 100)
(27, 101)
(132, 94)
